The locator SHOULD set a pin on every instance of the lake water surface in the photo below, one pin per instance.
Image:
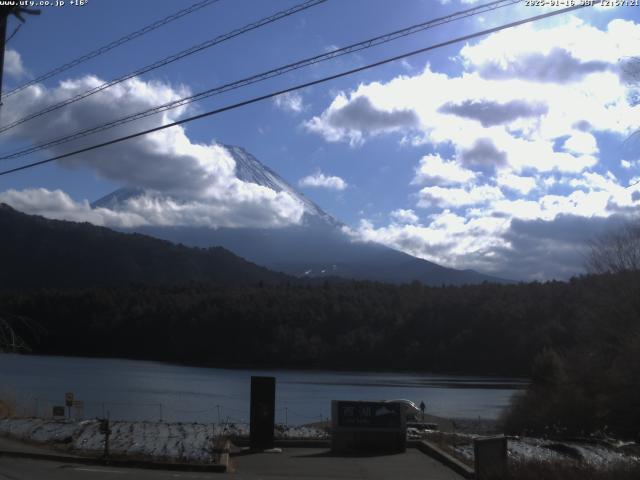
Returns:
(144, 390)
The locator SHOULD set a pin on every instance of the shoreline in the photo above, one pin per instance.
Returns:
(519, 382)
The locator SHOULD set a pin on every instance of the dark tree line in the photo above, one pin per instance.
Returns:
(579, 340)
(473, 329)
(36, 252)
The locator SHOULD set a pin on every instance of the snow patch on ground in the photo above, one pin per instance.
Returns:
(528, 448)
(177, 442)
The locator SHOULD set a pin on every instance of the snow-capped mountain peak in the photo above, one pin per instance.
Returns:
(250, 169)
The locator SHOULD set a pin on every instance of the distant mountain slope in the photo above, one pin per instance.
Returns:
(37, 252)
(316, 248)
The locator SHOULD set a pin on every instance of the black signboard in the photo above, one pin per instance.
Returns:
(378, 415)
(58, 411)
(490, 457)
(263, 411)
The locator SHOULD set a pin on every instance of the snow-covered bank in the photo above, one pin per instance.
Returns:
(176, 442)
(597, 454)
(194, 442)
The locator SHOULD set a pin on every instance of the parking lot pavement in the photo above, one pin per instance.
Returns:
(319, 464)
(27, 469)
(292, 463)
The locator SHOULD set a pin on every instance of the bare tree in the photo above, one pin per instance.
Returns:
(10, 340)
(617, 251)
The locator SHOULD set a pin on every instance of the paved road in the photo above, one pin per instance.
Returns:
(290, 464)
(318, 464)
(23, 469)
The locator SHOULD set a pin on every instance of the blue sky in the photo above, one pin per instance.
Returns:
(504, 154)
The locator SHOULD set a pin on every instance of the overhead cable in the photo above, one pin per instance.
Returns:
(338, 52)
(167, 60)
(110, 46)
(300, 86)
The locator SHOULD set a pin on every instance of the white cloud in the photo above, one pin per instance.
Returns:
(490, 113)
(58, 205)
(516, 114)
(352, 119)
(534, 53)
(460, 242)
(436, 171)
(629, 164)
(320, 180)
(457, 197)
(524, 239)
(523, 122)
(290, 102)
(185, 182)
(404, 216)
(148, 208)
(517, 183)
(581, 143)
(13, 64)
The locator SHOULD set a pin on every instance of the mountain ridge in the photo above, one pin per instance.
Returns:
(37, 252)
(317, 247)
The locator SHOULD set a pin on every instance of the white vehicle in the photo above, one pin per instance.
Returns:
(409, 408)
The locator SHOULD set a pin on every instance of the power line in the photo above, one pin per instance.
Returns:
(170, 59)
(13, 34)
(372, 42)
(116, 43)
(300, 86)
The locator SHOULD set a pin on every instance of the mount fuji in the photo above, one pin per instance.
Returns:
(316, 247)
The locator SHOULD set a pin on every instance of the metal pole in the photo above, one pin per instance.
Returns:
(218, 407)
(3, 36)
(107, 432)
(286, 417)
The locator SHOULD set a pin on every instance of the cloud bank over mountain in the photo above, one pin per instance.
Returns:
(514, 167)
(187, 183)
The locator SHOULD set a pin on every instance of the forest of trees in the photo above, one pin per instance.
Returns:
(38, 252)
(580, 340)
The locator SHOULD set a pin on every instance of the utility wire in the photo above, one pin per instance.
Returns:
(372, 42)
(13, 34)
(170, 59)
(116, 43)
(300, 86)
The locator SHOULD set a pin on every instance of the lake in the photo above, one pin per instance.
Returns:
(145, 390)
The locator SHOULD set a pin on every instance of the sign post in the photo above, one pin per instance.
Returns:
(68, 401)
(263, 412)
(105, 429)
(367, 426)
(78, 409)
